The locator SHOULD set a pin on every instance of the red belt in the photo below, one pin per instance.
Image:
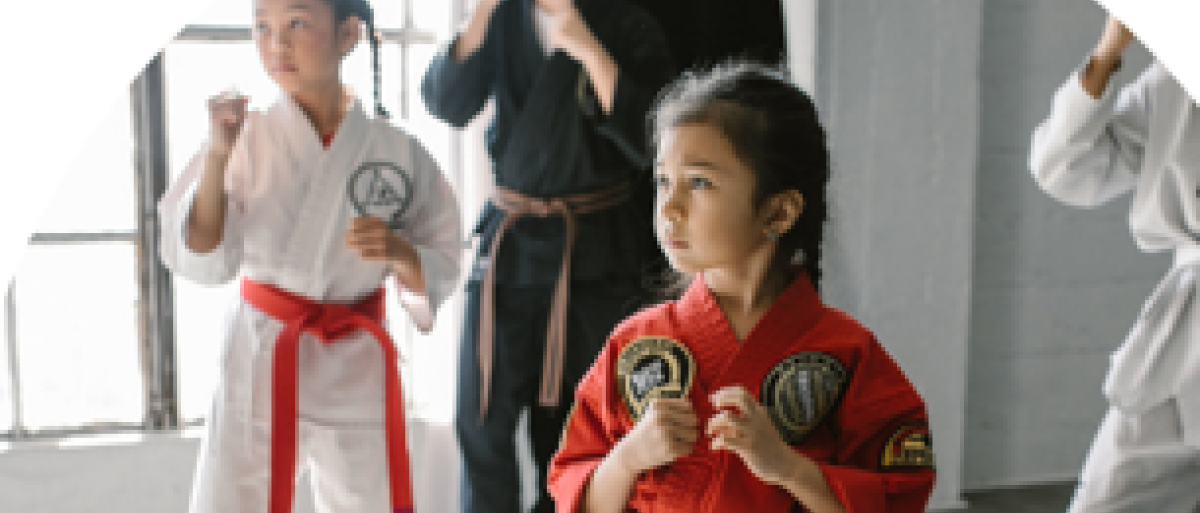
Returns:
(328, 322)
(515, 205)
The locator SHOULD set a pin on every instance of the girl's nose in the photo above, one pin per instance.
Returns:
(670, 205)
(277, 40)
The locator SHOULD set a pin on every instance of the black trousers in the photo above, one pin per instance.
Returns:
(491, 479)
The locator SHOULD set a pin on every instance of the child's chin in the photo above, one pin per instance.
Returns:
(286, 83)
(682, 265)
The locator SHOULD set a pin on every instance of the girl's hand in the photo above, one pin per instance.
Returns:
(667, 430)
(1115, 40)
(375, 242)
(745, 427)
(227, 113)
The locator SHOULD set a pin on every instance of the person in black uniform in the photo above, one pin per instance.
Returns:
(566, 240)
(703, 33)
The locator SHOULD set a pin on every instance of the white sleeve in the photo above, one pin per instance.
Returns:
(434, 227)
(220, 265)
(1089, 151)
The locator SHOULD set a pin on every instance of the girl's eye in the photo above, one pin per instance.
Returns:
(298, 24)
(261, 28)
(659, 181)
(699, 182)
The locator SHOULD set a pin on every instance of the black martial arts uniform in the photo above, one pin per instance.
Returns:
(550, 138)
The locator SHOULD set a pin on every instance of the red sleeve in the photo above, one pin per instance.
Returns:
(885, 456)
(589, 434)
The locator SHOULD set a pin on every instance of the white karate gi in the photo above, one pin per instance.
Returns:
(285, 223)
(1143, 138)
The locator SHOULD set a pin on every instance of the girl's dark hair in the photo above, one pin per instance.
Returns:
(774, 129)
(343, 9)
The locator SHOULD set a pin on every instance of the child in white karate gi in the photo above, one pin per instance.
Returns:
(313, 203)
(1098, 143)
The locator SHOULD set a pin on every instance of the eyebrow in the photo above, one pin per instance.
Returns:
(695, 163)
(292, 7)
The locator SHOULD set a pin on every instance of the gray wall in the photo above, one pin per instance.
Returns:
(896, 84)
(1054, 288)
(1000, 303)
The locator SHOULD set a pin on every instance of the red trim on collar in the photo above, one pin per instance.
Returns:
(326, 140)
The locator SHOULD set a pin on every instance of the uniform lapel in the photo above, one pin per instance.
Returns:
(323, 202)
(774, 337)
(707, 332)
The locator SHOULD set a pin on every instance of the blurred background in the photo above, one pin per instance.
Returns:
(1001, 304)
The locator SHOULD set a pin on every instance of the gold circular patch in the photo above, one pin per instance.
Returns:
(653, 367)
(800, 391)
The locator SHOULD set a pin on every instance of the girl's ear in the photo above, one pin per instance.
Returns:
(349, 31)
(783, 209)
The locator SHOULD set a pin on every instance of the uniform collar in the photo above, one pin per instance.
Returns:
(795, 311)
(302, 136)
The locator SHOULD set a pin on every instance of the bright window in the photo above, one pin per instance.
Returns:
(79, 318)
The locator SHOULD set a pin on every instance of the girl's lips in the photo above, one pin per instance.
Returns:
(676, 244)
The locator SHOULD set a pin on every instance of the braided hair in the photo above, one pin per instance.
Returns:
(774, 128)
(361, 9)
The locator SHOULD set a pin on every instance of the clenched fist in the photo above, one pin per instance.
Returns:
(376, 242)
(745, 428)
(667, 430)
(227, 114)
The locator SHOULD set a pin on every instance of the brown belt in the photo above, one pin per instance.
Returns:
(515, 205)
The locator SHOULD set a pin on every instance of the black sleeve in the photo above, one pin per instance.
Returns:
(455, 91)
(644, 66)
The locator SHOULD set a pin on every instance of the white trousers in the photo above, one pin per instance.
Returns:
(340, 438)
(347, 467)
(1139, 464)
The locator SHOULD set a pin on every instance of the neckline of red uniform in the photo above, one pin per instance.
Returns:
(795, 310)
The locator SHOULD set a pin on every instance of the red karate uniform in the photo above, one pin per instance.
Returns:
(869, 434)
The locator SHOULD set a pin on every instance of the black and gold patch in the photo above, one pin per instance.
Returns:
(800, 391)
(909, 447)
(650, 368)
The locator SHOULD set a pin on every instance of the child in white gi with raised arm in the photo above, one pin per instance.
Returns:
(314, 203)
(1100, 142)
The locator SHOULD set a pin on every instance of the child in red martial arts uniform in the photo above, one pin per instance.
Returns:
(747, 393)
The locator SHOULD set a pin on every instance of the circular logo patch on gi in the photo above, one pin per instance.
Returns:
(909, 447)
(801, 390)
(381, 189)
(650, 368)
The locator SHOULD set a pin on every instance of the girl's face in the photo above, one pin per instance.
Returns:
(704, 212)
(299, 43)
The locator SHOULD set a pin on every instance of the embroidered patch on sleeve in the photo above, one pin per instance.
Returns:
(909, 447)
